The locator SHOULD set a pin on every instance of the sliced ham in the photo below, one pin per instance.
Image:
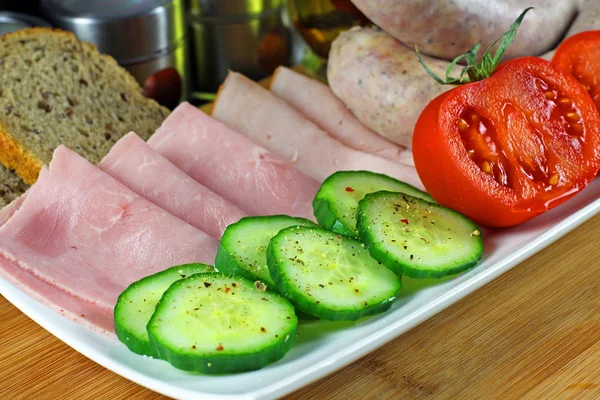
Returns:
(87, 237)
(269, 121)
(230, 165)
(88, 314)
(139, 167)
(99, 319)
(318, 103)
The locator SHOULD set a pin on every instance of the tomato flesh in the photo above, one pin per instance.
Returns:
(579, 56)
(510, 147)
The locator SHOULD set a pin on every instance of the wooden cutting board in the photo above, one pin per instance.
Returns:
(532, 333)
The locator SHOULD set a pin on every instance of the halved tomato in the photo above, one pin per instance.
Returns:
(511, 146)
(579, 56)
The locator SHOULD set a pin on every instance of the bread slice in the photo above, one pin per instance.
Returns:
(55, 89)
(11, 186)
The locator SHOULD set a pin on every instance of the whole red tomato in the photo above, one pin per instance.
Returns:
(511, 146)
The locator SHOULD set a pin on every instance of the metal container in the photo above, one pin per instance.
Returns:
(148, 37)
(12, 21)
(247, 36)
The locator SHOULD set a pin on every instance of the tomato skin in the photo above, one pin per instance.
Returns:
(579, 56)
(456, 181)
(436, 153)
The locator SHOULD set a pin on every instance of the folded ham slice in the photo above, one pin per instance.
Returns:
(86, 237)
(139, 167)
(96, 318)
(267, 120)
(232, 166)
(58, 300)
(318, 103)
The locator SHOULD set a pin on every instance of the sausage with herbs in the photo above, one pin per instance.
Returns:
(382, 82)
(448, 28)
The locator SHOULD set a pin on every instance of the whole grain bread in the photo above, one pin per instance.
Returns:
(55, 89)
(11, 186)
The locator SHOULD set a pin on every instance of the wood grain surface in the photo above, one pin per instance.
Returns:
(533, 333)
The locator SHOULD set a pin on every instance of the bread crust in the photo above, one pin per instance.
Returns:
(14, 154)
(15, 157)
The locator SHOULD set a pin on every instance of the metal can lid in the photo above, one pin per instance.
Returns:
(103, 9)
(126, 29)
(12, 21)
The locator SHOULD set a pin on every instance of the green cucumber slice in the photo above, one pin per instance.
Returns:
(329, 275)
(336, 202)
(214, 323)
(136, 305)
(243, 247)
(417, 238)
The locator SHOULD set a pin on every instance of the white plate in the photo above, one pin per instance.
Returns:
(322, 347)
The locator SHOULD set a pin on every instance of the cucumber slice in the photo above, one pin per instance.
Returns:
(136, 305)
(243, 247)
(329, 275)
(214, 323)
(336, 202)
(417, 238)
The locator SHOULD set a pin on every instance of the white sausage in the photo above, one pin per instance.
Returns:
(381, 81)
(447, 28)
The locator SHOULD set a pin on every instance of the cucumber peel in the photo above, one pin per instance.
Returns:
(328, 275)
(214, 323)
(243, 247)
(336, 203)
(136, 305)
(417, 238)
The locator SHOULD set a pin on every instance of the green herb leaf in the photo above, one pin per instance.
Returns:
(203, 96)
(430, 72)
(477, 71)
(509, 36)
(471, 55)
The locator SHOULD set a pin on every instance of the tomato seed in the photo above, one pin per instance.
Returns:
(565, 101)
(572, 117)
(462, 125)
(486, 167)
(578, 128)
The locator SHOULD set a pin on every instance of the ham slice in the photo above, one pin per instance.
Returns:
(318, 103)
(232, 166)
(86, 237)
(94, 317)
(267, 120)
(88, 314)
(135, 164)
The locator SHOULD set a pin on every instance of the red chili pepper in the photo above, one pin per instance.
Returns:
(349, 189)
(220, 348)
(227, 290)
(404, 221)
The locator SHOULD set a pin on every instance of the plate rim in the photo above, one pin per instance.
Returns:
(323, 368)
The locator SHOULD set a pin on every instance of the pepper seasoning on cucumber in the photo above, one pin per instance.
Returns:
(273, 269)
(401, 226)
